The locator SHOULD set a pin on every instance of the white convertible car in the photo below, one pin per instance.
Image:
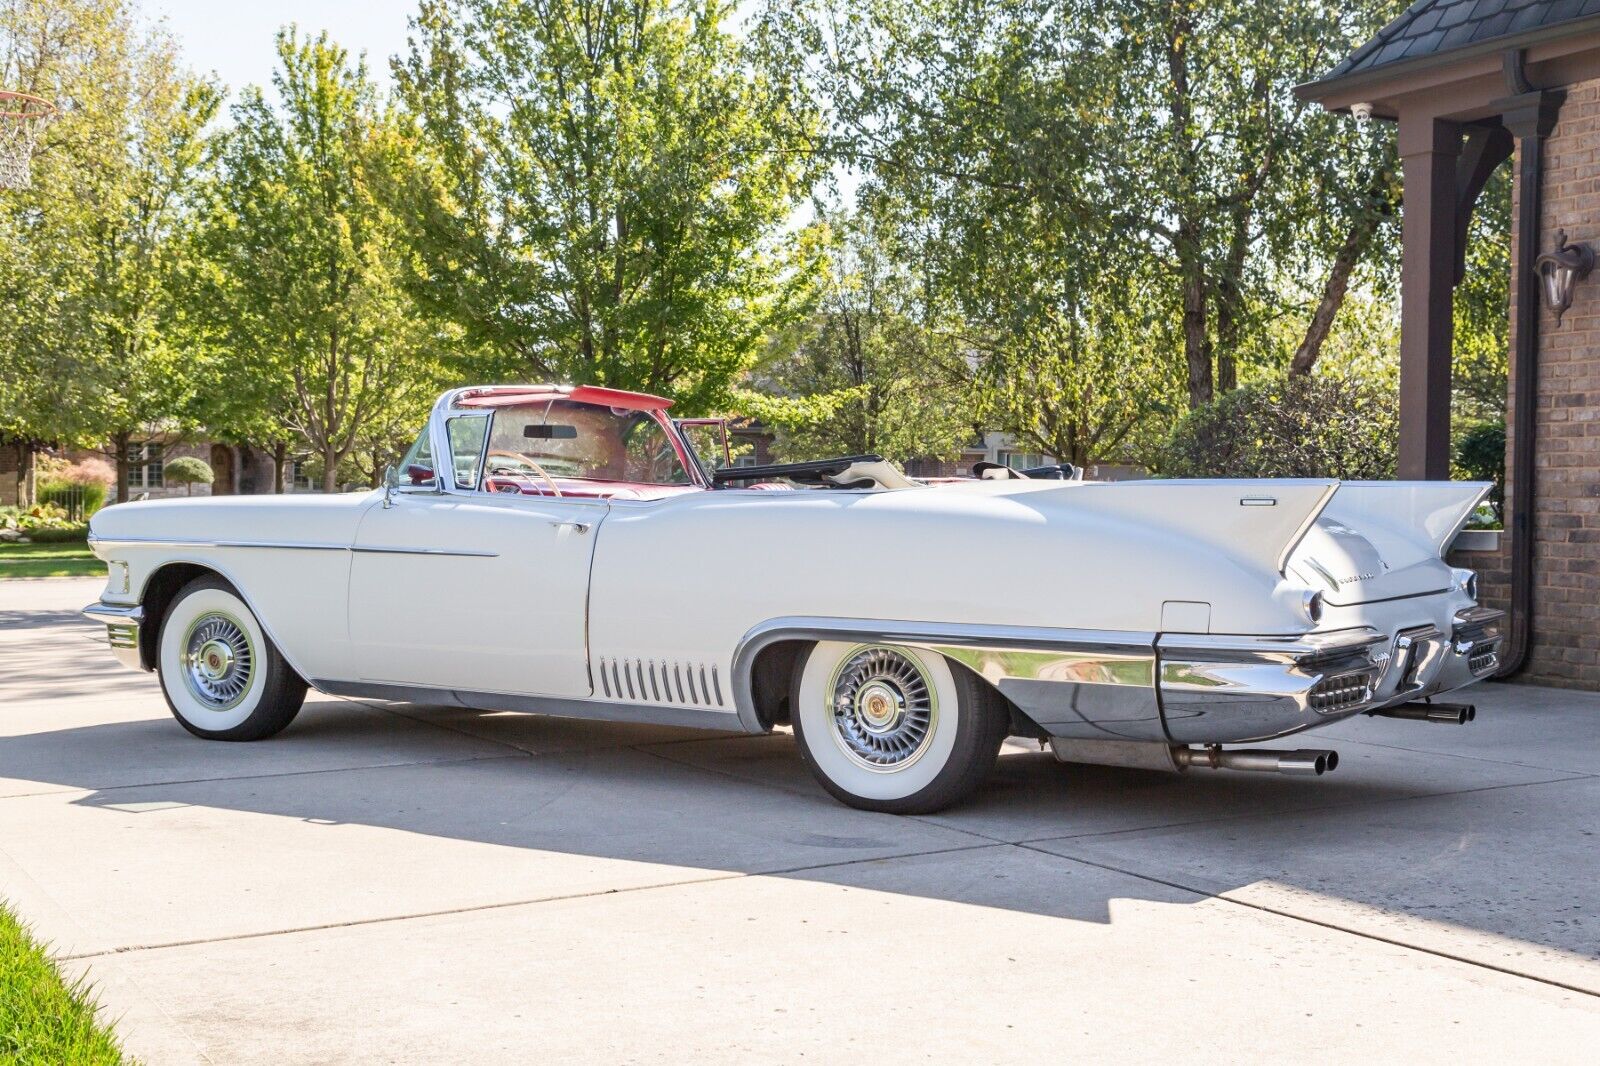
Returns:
(564, 550)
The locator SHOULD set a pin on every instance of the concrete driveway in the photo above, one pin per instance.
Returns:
(398, 883)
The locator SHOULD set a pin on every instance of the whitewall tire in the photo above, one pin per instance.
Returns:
(892, 728)
(222, 676)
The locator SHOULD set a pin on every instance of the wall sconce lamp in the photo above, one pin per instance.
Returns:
(1561, 270)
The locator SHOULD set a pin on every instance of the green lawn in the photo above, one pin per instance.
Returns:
(49, 560)
(44, 1020)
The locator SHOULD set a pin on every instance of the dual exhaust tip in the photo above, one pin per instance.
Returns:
(1438, 713)
(1310, 762)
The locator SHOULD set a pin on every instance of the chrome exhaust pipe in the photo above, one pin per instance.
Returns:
(1148, 755)
(1308, 761)
(1442, 713)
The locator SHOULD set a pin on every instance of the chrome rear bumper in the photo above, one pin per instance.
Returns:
(122, 630)
(1221, 690)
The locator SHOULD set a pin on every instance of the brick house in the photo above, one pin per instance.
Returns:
(1474, 85)
(236, 469)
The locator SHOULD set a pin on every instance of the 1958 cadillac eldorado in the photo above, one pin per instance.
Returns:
(565, 550)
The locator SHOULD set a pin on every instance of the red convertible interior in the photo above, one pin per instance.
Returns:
(563, 441)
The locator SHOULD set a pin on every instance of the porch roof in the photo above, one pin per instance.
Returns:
(1438, 31)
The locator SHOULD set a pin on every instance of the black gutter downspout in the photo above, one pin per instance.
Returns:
(1530, 114)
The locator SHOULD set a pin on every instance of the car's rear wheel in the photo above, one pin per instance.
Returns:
(223, 678)
(892, 728)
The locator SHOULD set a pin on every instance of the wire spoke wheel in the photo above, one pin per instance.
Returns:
(883, 708)
(218, 661)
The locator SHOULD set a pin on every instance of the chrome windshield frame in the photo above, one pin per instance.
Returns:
(439, 440)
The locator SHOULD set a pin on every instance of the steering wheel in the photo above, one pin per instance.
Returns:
(523, 460)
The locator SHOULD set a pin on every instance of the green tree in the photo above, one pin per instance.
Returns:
(1482, 308)
(1046, 152)
(187, 471)
(867, 371)
(607, 192)
(303, 297)
(96, 235)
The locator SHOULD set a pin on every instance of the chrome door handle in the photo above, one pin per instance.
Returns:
(580, 527)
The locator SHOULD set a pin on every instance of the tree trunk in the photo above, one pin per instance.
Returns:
(119, 444)
(1333, 294)
(27, 473)
(1230, 299)
(1196, 352)
(330, 469)
(280, 458)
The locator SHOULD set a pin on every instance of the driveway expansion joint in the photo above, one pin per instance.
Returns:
(1322, 924)
(129, 949)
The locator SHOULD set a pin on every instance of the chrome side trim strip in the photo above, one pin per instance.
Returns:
(384, 549)
(1299, 648)
(295, 545)
(285, 545)
(560, 706)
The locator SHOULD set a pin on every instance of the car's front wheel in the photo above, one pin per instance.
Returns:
(892, 728)
(222, 676)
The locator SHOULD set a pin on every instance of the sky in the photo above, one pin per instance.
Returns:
(234, 39)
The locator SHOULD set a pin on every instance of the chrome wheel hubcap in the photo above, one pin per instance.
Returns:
(883, 708)
(218, 661)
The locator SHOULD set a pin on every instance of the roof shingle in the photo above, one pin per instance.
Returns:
(1429, 27)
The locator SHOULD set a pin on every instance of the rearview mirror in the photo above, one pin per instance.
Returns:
(550, 432)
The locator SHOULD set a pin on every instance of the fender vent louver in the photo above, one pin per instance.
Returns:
(662, 681)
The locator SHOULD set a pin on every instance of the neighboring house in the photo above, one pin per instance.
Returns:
(1474, 85)
(237, 469)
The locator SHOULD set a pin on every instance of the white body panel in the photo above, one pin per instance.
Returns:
(487, 593)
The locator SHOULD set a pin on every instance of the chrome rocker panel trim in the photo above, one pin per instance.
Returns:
(595, 710)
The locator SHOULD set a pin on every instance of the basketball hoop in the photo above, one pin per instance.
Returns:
(22, 119)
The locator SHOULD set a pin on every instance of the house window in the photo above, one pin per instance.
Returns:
(144, 465)
(1025, 460)
(298, 478)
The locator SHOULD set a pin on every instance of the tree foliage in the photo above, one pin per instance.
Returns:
(1322, 427)
(92, 246)
(1481, 456)
(188, 471)
(303, 293)
(605, 189)
(869, 371)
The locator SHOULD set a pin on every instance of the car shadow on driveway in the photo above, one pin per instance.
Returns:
(1466, 857)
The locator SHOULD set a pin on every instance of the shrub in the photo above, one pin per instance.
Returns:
(1481, 456)
(1319, 427)
(62, 534)
(188, 471)
(79, 488)
(45, 522)
(78, 500)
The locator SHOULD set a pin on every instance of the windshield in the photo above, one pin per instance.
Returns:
(565, 439)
